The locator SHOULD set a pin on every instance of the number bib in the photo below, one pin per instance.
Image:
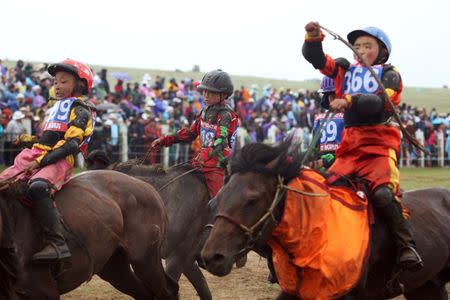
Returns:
(59, 116)
(233, 139)
(359, 80)
(331, 132)
(207, 134)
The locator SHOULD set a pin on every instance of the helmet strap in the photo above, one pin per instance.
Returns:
(223, 97)
(80, 88)
(382, 54)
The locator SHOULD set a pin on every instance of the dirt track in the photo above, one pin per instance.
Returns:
(247, 283)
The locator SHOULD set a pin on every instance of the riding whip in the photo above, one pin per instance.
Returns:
(411, 138)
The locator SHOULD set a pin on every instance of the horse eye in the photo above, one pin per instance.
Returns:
(251, 202)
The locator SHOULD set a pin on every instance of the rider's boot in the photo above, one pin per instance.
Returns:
(391, 210)
(48, 217)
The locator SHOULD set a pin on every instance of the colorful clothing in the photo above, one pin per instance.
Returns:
(216, 125)
(66, 132)
(367, 137)
(331, 134)
(56, 174)
(320, 245)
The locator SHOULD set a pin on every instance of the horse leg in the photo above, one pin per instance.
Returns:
(148, 268)
(428, 291)
(175, 265)
(37, 284)
(118, 273)
(196, 278)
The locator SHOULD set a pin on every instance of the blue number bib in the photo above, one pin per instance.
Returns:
(331, 132)
(59, 116)
(359, 80)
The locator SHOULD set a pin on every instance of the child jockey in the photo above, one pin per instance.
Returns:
(216, 125)
(370, 142)
(49, 163)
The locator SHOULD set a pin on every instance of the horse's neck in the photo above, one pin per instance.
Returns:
(158, 180)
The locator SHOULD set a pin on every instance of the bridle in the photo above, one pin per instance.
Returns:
(252, 234)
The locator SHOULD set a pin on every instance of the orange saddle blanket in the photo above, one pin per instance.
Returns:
(321, 243)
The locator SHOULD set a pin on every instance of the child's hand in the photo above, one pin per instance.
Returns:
(313, 29)
(156, 145)
(338, 104)
(29, 169)
(199, 161)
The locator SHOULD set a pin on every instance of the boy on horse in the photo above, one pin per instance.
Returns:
(49, 163)
(370, 142)
(216, 125)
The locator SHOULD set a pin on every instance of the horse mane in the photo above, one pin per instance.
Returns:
(136, 168)
(256, 156)
(10, 267)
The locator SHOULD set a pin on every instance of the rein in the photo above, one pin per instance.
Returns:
(4, 184)
(177, 177)
(251, 233)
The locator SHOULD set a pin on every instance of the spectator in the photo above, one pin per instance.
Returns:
(13, 130)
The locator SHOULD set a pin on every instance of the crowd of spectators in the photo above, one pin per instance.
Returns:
(146, 109)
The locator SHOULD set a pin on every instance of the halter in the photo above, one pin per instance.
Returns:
(251, 233)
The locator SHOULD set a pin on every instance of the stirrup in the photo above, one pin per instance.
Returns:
(58, 253)
(410, 264)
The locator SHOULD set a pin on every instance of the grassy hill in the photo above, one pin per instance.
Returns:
(421, 97)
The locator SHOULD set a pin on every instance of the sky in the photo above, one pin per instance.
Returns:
(259, 38)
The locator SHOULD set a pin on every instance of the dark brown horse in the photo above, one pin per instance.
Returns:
(115, 228)
(250, 191)
(186, 197)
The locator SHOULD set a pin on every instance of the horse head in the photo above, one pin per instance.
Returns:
(249, 203)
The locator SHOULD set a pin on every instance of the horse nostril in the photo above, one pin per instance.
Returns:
(214, 259)
(218, 258)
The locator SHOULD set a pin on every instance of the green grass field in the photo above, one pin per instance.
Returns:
(421, 97)
(411, 178)
(416, 178)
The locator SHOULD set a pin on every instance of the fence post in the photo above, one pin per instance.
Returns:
(402, 151)
(165, 150)
(440, 148)
(420, 155)
(123, 148)
(408, 157)
(80, 160)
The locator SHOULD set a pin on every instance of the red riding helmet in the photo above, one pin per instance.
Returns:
(76, 68)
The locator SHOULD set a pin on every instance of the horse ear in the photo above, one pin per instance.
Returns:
(273, 163)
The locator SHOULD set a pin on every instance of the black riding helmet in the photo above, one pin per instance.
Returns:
(217, 81)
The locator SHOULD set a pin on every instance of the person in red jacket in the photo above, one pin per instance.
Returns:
(370, 141)
(215, 124)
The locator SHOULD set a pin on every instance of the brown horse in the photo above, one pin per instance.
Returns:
(115, 226)
(186, 197)
(243, 221)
